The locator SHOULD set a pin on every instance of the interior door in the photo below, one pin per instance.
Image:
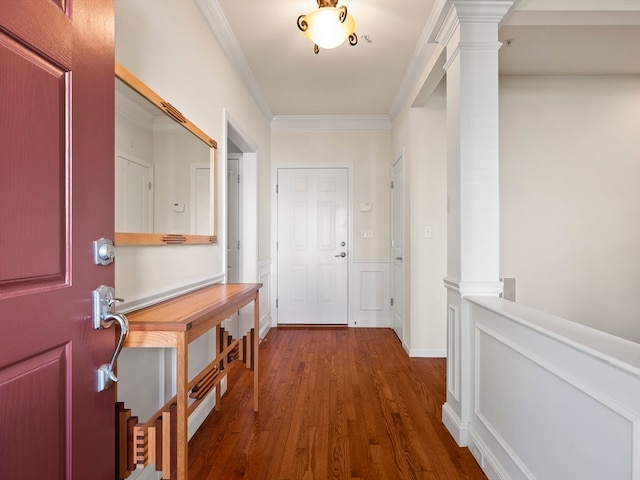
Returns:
(201, 199)
(312, 246)
(56, 192)
(397, 248)
(134, 194)
(233, 234)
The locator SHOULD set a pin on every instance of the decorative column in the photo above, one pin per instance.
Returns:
(470, 34)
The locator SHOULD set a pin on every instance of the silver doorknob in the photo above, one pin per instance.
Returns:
(341, 254)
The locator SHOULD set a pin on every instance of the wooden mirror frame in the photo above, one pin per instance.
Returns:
(122, 238)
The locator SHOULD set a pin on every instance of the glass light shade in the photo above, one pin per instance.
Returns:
(325, 28)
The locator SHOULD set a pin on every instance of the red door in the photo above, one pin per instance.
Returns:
(56, 197)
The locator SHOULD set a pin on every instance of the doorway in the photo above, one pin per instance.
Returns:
(241, 216)
(397, 248)
(312, 246)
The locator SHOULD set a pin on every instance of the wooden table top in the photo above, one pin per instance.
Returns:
(190, 310)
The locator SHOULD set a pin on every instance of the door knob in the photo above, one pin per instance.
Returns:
(103, 251)
(341, 254)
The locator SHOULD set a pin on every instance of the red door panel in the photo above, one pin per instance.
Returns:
(56, 192)
(34, 161)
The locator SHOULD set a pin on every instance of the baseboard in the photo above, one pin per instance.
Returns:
(485, 458)
(428, 352)
(458, 430)
(265, 326)
(304, 326)
(205, 408)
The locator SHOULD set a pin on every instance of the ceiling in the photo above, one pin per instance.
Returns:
(286, 78)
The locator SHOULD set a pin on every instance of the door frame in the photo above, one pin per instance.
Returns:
(274, 230)
(248, 207)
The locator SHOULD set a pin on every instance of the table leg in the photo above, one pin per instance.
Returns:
(219, 348)
(256, 343)
(182, 382)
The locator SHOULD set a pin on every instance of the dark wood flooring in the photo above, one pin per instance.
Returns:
(334, 404)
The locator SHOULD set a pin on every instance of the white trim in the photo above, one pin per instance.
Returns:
(168, 294)
(485, 458)
(464, 288)
(364, 315)
(296, 123)
(200, 414)
(454, 356)
(570, 5)
(421, 56)
(219, 26)
(458, 430)
(427, 352)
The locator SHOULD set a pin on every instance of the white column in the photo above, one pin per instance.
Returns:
(470, 34)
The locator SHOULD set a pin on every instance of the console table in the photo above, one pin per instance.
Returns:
(175, 323)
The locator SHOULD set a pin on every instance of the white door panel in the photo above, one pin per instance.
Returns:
(134, 194)
(397, 249)
(312, 234)
(201, 199)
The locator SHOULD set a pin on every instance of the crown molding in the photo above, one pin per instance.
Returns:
(296, 123)
(214, 16)
(421, 56)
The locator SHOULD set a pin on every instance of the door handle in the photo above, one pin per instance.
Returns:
(105, 374)
(104, 317)
(341, 254)
(399, 258)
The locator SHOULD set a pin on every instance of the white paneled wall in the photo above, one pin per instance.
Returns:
(264, 277)
(371, 294)
(545, 398)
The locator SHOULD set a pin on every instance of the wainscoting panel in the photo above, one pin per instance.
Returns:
(370, 301)
(265, 294)
(453, 347)
(545, 405)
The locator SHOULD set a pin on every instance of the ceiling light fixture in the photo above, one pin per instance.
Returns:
(328, 26)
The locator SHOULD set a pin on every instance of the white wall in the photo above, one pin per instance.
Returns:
(421, 132)
(187, 68)
(369, 153)
(570, 197)
(569, 201)
(168, 46)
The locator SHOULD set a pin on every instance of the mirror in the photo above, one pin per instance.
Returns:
(164, 169)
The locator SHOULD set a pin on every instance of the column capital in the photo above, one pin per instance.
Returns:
(458, 12)
(486, 11)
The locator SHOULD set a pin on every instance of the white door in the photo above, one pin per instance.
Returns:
(397, 248)
(201, 199)
(313, 220)
(134, 194)
(233, 235)
(233, 223)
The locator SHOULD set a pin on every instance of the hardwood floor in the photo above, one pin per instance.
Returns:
(334, 404)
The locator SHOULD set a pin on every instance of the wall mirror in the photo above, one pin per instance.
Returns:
(164, 169)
